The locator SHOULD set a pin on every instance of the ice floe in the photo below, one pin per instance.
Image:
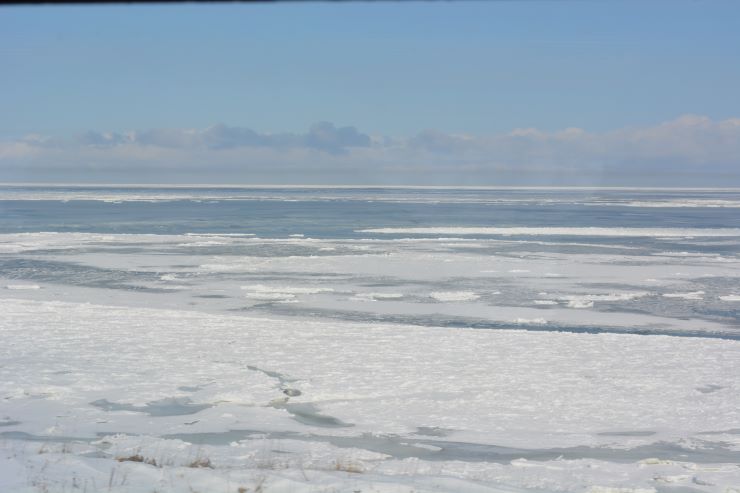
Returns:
(556, 231)
(530, 321)
(587, 300)
(261, 288)
(693, 295)
(377, 296)
(454, 295)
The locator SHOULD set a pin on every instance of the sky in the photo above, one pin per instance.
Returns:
(601, 93)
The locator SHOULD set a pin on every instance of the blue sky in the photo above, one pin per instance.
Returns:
(391, 70)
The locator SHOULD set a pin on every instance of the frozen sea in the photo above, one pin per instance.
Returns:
(369, 339)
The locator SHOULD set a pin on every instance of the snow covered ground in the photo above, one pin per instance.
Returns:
(134, 399)
(361, 353)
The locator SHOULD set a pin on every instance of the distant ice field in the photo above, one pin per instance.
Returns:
(339, 212)
(367, 338)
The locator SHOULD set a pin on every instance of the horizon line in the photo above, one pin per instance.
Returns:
(351, 186)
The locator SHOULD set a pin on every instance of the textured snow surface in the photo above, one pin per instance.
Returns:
(215, 361)
(135, 399)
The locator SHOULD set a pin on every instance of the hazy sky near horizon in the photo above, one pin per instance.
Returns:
(502, 92)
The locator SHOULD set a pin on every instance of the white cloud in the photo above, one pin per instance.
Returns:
(689, 150)
(323, 136)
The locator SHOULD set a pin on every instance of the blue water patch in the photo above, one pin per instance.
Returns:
(339, 213)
